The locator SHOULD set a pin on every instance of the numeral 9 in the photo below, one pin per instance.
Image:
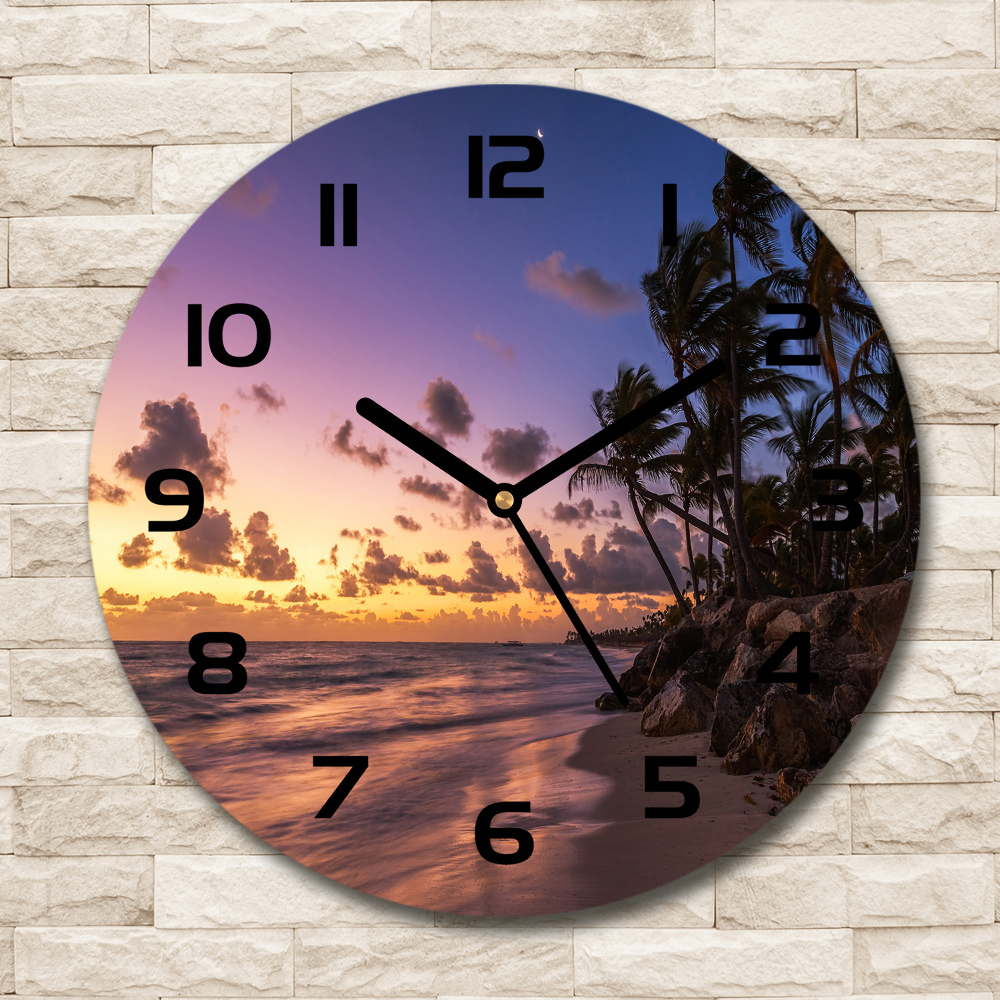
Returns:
(194, 499)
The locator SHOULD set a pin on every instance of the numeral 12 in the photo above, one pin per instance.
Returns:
(499, 171)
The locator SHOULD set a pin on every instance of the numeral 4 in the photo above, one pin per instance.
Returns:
(768, 671)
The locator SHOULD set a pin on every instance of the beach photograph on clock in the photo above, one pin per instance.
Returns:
(503, 500)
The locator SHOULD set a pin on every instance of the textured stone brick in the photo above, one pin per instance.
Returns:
(935, 316)
(139, 961)
(92, 250)
(6, 823)
(580, 34)
(700, 963)
(56, 395)
(152, 109)
(392, 961)
(95, 39)
(6, 138)
(7, 960)
(320, 97)
(926, 747)
(64, 682)
(818, 823)
(75, 751)
(4, 240)
(274, 38)
(50, 540)
(959, 104)
(949, 604)
(850, 174)
(200, 891)
(86, 820)
(956, 459)
(50, 612)
(44, 466)
(952, 388)
(40, 323)
(87, 891)
(737, 102)
(959, 533)
(74, 181)
(924, 959)
(169, 770)
(830, 33)
(839, 226)
(4, 395)
(5, 694)
(928, 246)
(187, 179)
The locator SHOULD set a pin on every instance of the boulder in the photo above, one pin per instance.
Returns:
(848, 701)
(680, 707)
(786, 730)
(722, 617)
(877, 622)
(644, 658)
(607, 702)
(761, 614)
(669, 659)
(687, 637)
(745, 663)
(633, 680)
(791, 781)
(734, 704)
(783, 625)
(708, 668)
(834, 613)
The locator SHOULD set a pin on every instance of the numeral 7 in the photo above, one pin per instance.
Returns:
(357, 765)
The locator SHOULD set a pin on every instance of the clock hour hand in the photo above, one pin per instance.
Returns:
(550, 579)
(426, 448)
(643, 412)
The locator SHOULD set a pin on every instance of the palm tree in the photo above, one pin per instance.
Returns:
(878, 469)
(633, 454)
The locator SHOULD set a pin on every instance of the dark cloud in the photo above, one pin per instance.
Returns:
(517, 452)
(265, 560)
(578, 513)
(339, 443)
(583, 288)
(407, 523)
(447, 408)
(348, 584)
(503, 351)
(265, 398)
(332, 559)
(101, 489)
(482, 581)
(614, 512)
(211, 546)
(407, 616)
(175, 440)
(243, 198)
(437, 557)
(425, 488)
(259, 597)
(531, 576)
(139, 552)
(351, 533)
(112, 597)
(381, 570)
(299, 595)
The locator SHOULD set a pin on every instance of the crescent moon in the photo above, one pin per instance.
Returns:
(539, 133)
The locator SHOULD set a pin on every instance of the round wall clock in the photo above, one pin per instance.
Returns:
(503, 500)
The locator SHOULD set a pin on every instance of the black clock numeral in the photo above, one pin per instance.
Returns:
(692, 797)
(194, 499)
(534, 159)
(801, 677)
(231, 662)
(486, 833)
(217, 345)
(848, 499)
(807, 331)
(670, 215)
(357, 766)
(328, 215)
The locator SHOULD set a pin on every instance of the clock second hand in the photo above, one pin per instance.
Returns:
(550, 579)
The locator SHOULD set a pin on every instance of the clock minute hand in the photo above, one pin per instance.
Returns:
(426, 448)
(550, 579)
(643, 412)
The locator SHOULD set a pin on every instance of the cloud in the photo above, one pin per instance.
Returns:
(503, 351)
(425, 488)
(211, 545)
(407, 616)
(332, 559)
(264, 560)
(577, 513)
(516, 452)
(482, 581)
(175, 440)
(348, 584)
(583, 288)
(407, 523)
(339, 443)
(137, 553)
(264, 396)
(245, 199)
(299, 595)
(436, 557)
(101, 489)
(381, 570)
(447, 408)
(112, 597)
(259, 597)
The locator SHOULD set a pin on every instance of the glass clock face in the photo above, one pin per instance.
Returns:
(503, 500)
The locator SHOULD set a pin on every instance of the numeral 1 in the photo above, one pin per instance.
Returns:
(328, 215)
(670, 215)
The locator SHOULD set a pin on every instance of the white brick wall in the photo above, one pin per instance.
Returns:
(119, 123)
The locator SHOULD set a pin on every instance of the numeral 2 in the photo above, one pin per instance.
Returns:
(357, 765)
(536, 154)
(692, 797)
(328, 215)
(807, 331)
(768, 671)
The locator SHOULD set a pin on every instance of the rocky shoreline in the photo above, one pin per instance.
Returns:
(702, 676)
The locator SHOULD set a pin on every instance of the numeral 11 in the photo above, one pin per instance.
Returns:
(328, 215)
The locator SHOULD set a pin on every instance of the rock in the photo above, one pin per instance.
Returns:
(734, 704)
(744, 666)
(687, 637)
(848, 701)
(708, 668)
(680, 707)
(783, 625)
(633, 680)
(722, 617)
(786, 730)
(877, 622)
(607, 702)
(761, 614)
(644, 658)
(791, 781)
(834, 613)
(868, 668)
(669, 660)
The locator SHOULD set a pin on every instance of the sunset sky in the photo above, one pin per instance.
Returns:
(487, 322)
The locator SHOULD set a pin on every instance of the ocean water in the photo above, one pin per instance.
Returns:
(448, 728)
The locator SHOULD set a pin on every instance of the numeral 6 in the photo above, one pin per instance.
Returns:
(486, 834)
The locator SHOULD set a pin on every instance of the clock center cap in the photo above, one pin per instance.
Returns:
(504, 500)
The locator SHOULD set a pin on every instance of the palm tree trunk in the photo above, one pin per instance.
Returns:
(690, 551)
(875, 490)
(678, 596)
(711, 504)
(877, 573)
(826, 550)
